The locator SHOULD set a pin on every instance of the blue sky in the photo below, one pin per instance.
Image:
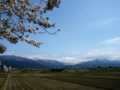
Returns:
(90, 29)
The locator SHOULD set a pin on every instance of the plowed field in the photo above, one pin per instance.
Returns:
(1, 81)
(22, 83)
(112, 83)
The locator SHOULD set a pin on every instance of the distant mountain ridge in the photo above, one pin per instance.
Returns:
(95, 63)
(22, 62)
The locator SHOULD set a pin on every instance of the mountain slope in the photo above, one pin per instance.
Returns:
(22, 62)
(51, 63)
(95, 63)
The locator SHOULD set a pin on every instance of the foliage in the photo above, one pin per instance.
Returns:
(2, 48)
(17, 18)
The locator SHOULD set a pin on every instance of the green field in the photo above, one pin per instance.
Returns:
(69, 79)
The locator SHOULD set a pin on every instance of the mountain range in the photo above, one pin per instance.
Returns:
(95, 63)
(23, 62)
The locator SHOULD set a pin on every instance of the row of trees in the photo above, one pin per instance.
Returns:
(17, 19)
(107, 67)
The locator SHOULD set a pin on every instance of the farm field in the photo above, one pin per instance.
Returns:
(110, 82)
(1, 81)
(70, 80)
(22, 83)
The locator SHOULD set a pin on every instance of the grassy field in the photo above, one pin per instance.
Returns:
(69, 79)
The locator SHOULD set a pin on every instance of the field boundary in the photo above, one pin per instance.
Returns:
(97, 77)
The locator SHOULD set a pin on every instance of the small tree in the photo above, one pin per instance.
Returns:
(110, 66)
(16, 14)
(99, 67)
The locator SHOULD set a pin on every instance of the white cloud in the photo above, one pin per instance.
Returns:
(35, 56)
(53, 57)
(111, 41)
(71, 60)
(109, 53)
(103, 22)
(9, 53)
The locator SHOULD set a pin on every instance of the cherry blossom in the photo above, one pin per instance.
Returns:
(17, 19)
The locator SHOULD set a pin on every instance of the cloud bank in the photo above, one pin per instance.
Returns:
(109, 53)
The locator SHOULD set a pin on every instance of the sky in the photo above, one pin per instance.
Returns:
(90, 29)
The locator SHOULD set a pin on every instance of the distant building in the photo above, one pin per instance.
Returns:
(74, 67)
(14, 68)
